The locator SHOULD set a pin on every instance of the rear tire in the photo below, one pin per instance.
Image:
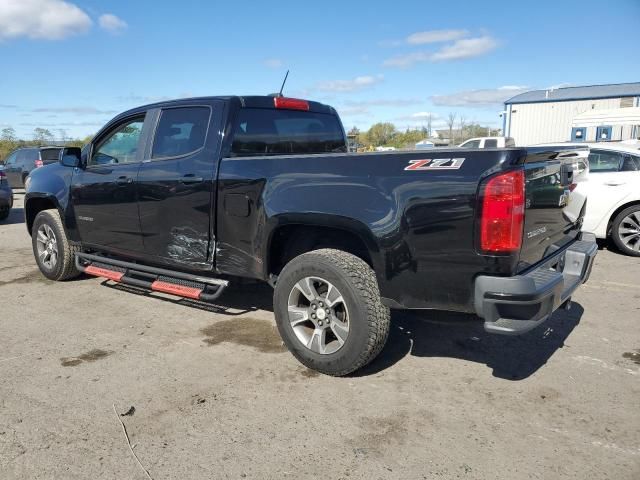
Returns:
(354, 328)
(53, 252)
(625, 231)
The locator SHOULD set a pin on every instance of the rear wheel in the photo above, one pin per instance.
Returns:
(54, 254)
(329, 312)
(625, 231)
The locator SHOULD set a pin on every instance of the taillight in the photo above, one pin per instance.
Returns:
(38, 163)
(502, 216)
(290, 103)
(3, 176)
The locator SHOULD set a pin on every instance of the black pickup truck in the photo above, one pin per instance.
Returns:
(184, 196)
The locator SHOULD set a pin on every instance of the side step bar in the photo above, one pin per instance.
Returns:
(156, 279)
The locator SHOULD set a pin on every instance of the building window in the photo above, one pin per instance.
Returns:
(578, 134)
(603, 134)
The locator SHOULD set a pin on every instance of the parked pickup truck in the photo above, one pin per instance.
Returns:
(185, 196)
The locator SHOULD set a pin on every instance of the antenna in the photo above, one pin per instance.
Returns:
(283, 82)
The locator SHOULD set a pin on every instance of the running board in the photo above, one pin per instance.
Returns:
(152, 278)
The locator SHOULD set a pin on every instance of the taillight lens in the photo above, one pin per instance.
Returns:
(38, 163)
(3, 176)
(291, 103)
(502, 216)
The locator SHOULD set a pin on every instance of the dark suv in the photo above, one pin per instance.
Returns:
(20, 162)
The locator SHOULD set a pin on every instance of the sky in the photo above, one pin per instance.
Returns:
(70, 66)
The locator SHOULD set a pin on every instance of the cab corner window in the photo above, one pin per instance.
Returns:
(180, 131)
(119, 146)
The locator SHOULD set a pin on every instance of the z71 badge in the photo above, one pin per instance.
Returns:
(435, 164)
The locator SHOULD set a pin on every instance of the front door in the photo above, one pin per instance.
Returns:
(176, 185)
(104, 192)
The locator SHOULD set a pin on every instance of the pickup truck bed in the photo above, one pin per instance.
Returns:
(271, 194)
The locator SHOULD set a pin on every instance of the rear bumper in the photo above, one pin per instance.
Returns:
(514, 305)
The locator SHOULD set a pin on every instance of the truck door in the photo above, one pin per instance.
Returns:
(12, 170)
(176, 185)
(104, 191)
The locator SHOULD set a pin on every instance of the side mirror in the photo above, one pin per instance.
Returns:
(70, 156)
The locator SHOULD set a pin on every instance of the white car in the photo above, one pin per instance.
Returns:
(613, 194)
(488, 142)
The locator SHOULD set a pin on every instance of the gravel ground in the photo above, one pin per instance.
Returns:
(216, 395)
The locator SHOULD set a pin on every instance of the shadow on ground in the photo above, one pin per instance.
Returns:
(15, 216)
(421, 334)
(455, 335)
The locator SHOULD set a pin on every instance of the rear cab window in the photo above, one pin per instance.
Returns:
(181, 131)
(49, 155)
(491, 143)
(264, 131)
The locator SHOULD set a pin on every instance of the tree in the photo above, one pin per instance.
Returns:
(381, 133)
(42, 135)
(462, 124)
(451, 120)
(8, 134)
(354, 131)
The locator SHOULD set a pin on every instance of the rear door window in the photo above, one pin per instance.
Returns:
(604, 161)
(180, 131)
(262, 131)
(48, 155)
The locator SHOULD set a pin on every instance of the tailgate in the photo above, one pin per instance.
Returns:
(553, 206)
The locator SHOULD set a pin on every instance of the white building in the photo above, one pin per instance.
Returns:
(592, 114)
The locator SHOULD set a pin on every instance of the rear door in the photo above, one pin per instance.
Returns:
(176, 184)
(13, 170)
(612, 177)
(553, 205)
(104, 192)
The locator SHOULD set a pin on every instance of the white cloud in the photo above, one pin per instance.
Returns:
(384, 102)
(353, 85)
(465, 48)
(479, 98)
(458, 50)
(419, 117)
(112, 23)
(435, 36)
(354, 111)
(407, 60)
(273, 63)
(41, 19)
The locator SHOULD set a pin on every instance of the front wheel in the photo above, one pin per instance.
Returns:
(625, 231)
(54, 254)
(329, 312)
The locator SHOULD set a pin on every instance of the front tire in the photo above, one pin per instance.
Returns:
(329, 312)
(625, 231)
(54, 254)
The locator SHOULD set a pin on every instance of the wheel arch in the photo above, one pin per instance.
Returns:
(615, 213)
(293, 236)
(35, 204)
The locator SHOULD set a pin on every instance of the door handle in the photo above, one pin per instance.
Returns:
(123, 180)
(191, 178)
(614, 183)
